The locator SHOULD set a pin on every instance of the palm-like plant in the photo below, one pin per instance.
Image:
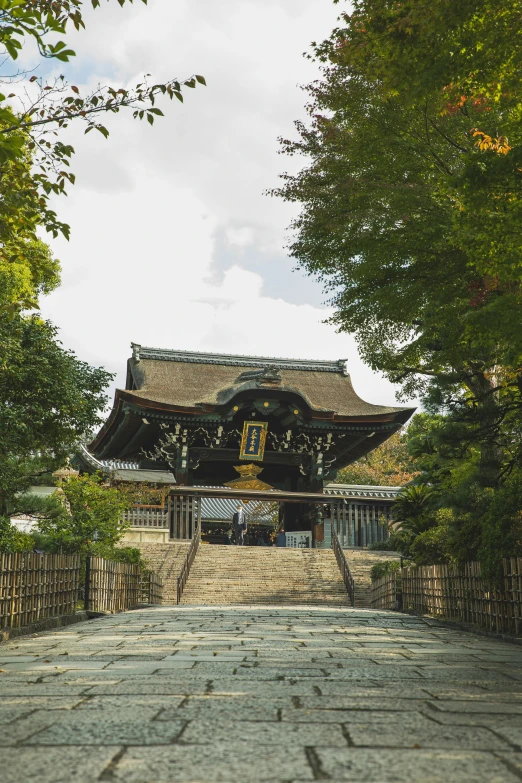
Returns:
(412, 509)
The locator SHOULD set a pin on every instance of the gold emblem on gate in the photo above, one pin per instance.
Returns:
(248, 478)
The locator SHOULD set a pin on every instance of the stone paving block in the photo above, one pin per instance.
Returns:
(106, 727)
(425, 734)
(41, 689)
(369, 701)
(390, 672)
(213, 764)
(142, 667)
(259, 673)
(17, 677)
(264, 733)
(478, 706)
(196, 656)
(25, 727)
(388, 688)
(281, 688)
(461, 674)
(7, 703)
(146, 686)
(514, 686)
(465, 692)
(362, 765)
(487, 719)
(128, 703)
(368, 717)
(10, 714)
(511, 732)
(512, 674)
(513, 759)
(44, 666)
(56, 765)
(230, 708)
(80, 674)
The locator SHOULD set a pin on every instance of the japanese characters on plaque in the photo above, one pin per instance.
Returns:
(253, 440)
(299, 539)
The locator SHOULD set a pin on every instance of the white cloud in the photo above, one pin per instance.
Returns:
(149, 203)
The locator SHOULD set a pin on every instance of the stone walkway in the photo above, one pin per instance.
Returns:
(260, 694)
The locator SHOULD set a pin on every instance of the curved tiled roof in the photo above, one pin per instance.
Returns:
(192, 380)
(125, 471)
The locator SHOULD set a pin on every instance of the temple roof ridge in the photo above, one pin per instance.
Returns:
(238, 360)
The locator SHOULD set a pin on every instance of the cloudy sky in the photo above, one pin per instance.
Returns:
(174, 243)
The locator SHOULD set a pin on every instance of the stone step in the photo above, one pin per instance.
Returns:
(262, 575)
(267, 575)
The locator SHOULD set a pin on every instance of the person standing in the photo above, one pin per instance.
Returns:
(240, 525)
(281, 538)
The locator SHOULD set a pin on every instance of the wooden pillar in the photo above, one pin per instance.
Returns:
(375, 525)
(186, 509)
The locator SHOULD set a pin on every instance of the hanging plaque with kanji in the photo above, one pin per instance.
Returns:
(253, 440)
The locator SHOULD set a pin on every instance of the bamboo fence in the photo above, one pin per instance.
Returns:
(34, 587)
(457, 592)
(461, 593)
(151, 588)
(384, 592)
(111, 586)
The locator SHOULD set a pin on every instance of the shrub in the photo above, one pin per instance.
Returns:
(383, 569)
(431, 547)
(12, 539)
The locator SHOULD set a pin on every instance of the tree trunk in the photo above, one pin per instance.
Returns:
(488, 412)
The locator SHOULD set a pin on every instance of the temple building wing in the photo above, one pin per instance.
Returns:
(186, 412)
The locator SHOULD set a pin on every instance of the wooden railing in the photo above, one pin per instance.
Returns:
(344, 568)
(189, 559)
(110, 586)
(34, 587)
(147, 517)
(359, 523)
(384, 593)
(151, 588)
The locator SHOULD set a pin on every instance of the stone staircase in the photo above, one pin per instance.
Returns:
(167, 561)
(361, 562)
(264, 575)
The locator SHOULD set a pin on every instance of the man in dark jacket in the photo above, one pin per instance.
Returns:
(240, 525)
(281, 538)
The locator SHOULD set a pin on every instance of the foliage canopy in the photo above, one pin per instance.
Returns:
(49, 401)
(411, 206)
(34, 158)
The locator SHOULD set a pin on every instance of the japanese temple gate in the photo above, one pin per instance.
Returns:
(190, 422)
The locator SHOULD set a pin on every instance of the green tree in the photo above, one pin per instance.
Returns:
(34, 160)
(49, 402)
(469, 521)
(90, 520)
(386, 466)
(412, 222)
(12, 539)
